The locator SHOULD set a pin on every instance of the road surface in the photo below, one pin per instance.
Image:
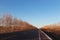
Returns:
(43, 36)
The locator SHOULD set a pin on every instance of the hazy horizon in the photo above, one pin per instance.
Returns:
(35, 12)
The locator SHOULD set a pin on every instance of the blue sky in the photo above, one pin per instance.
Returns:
(35, 12)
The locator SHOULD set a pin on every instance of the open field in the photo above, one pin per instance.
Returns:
(53, 31)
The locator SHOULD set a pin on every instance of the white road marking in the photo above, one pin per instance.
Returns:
(39, 34)
(46, 35)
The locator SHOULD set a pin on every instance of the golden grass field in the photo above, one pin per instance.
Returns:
(52, 28)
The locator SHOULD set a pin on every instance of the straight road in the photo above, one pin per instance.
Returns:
(43, 36)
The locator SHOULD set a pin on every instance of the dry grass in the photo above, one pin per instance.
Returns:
(52, 28)
(13, 25)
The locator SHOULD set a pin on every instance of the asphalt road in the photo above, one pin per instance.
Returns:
(43, 36)
(25, 35)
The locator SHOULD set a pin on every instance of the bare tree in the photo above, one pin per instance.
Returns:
(7, 19)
